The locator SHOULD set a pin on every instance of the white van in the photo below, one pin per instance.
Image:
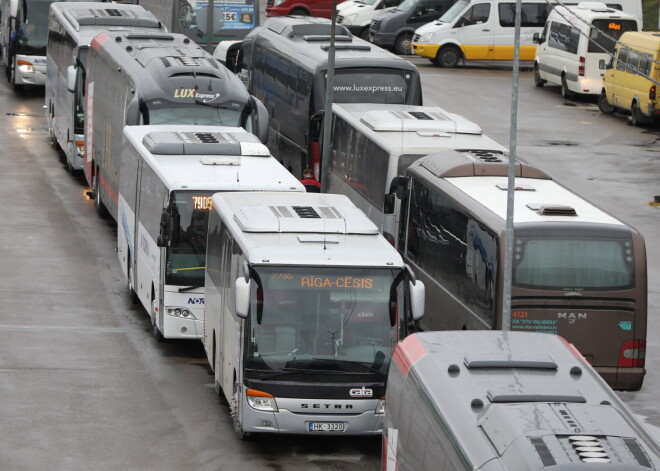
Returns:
(358, 16)
(484, 30)
(575, 39)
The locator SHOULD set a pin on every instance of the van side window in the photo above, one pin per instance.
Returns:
(532, 14)
(476, 15)
(622, 59)
(633, 62)
(564, 37)
(645, 63)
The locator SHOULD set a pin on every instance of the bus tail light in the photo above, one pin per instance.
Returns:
(380, 407)
(80, 149)
(652, 93)
(260, 400)
(633, 354)
(581, 66)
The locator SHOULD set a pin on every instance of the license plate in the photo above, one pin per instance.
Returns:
(325, 426)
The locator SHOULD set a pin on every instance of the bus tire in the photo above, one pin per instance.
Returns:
(299, 12)
(132, 295)
(636, 116)
(565, 92)
(449, 56)
(402, 45)
(234, 407)
(98, 204)
(538, 81)
(603, 105)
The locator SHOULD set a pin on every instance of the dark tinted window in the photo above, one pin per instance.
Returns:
(453, 249)
(532, 14)
(605, 33)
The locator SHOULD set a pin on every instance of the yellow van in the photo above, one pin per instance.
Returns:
(631, 80)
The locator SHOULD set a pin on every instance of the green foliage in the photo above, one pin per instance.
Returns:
(650, 9)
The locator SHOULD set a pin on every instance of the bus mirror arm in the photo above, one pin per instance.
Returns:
(536, 39)
(417, 299)
(71, 74)
(259, 117)
(242, 293)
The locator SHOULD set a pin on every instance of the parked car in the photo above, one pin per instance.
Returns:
(322, 8)
(358, 16)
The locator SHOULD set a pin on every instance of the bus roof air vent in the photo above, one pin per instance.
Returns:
(188, 61)
(313, 31)
(552, 209)
(204, 143)
(110, 17)
(435, 120)
(165, 62)
(319, 219)
(487, 156)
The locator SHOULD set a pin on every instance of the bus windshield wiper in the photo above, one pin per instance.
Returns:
(188, 288)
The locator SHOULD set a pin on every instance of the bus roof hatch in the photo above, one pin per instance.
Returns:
(109, 17)
(204, 143)
(414, 121)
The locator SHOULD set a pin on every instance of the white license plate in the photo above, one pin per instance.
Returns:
(325, 426)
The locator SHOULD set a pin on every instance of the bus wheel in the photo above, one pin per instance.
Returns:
(98, 204)
(636, 116)
(565, 92)
(402, 45)
(300, 12)
(604, 105)
(538, 81)
(449, 56)
(234, 410)
(132, 296)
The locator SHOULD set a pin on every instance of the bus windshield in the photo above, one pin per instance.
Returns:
(372, 86)
(215, 114)
(32, 34)
(573, 264)
(186, 254)
(320, 320)
(451, 14)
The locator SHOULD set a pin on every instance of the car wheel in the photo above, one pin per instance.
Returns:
(538, 81)
(565, 92)
(448, 57)
(300, 12)
(604, 105)
(402, 45)
(636, 116)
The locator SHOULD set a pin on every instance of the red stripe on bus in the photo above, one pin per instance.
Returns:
(98, 40)
(407, 353)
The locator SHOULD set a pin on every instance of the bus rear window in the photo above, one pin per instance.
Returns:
(368, 86)
(573, 264)
(605, 33)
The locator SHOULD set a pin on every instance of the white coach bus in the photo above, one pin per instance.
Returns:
(305, 304)
(168, 175)
(71, 28)
(373, 143)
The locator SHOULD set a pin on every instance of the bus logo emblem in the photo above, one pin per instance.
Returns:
(625, 325)
(361, 392)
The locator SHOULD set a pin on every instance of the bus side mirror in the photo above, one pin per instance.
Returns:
(71, 74)
(389, 204)
(316, 126)
(259, 117)
(163, 239)
(417, 299)
(242, 292)
(536, 39)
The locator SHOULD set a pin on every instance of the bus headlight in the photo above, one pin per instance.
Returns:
(427, 38)
(25, 67)
(260, 400)
(380, 407)
(179, 312)
(80, 149)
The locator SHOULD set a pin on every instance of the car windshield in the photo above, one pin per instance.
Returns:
(186, 254)
(323, 319)
(166, 112)
(407, 5)
(451, 14)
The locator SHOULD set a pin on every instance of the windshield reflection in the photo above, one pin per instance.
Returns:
(321, 319)
(167, 112)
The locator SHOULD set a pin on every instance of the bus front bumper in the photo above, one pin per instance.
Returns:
(33, 74)
(426, 50)
(365, 422)
(182, 328)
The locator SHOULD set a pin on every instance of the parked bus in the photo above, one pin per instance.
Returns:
(285, 63)
(136, 78)
(71, 27)
(373, 143)
(24, 35)
(168, 175)
(505, 401)
(305, 302)
(576, 270)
